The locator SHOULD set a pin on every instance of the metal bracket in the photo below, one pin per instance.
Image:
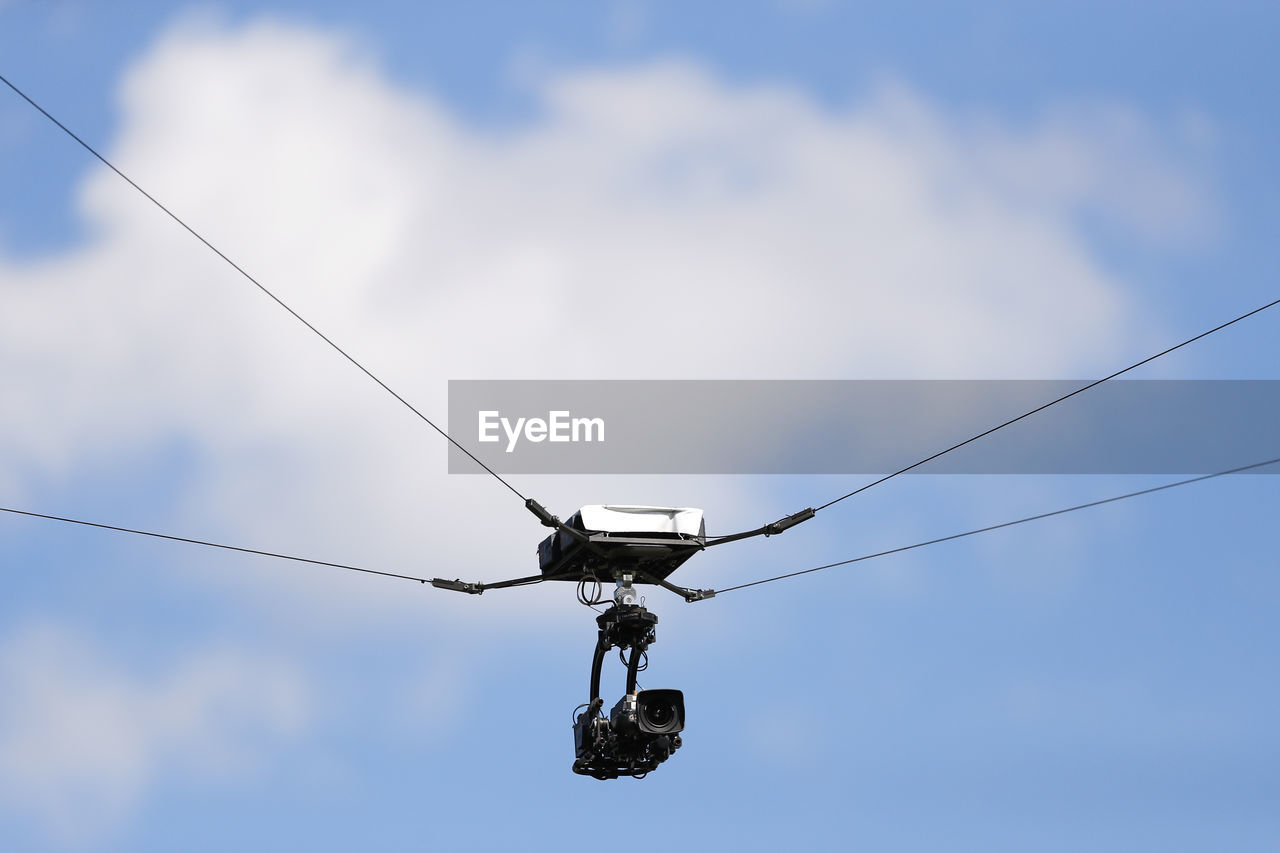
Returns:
(790, 521)
(458, 586)
(478, 588)
(549, 520)
(771, 529)
(624, 594)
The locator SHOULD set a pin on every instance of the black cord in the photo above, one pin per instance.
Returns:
(641, 666)
(597, 591)
(1000, 526)
(1079, 390)
(258, 284)
(211, 544)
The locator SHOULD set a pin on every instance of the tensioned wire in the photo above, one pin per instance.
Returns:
(500, 479)
(1003, 525)
(1053, 402)
(258, 285)
(865, 557)
(207, 544)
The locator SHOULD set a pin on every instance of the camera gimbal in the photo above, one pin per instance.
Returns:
(631, 544)
(643, 729)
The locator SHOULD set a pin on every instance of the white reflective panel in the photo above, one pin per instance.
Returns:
(615, 518)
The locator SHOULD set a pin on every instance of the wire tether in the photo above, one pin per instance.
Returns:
(258, 284)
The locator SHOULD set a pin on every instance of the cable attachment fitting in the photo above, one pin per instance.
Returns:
(692, 595)
(789, 522)
(624, 594)
(547, 519)
(458, 586)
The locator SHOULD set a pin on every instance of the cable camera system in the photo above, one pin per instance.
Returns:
(643, 728)
(627, 545)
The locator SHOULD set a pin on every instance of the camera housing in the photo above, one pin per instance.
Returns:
(643, 729)
(660, 712)
(641, 732)
(648, 714)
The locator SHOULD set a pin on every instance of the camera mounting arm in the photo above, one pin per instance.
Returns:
(548, 520)
(479, 588)
(687, 594)
(779, 526)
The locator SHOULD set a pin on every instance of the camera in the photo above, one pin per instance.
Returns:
(641, 732)
(643, 729)
(659, 712)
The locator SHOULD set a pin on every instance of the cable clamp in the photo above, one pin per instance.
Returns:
(789, 522)
(458, 586)
(693, 595)
(547, 519)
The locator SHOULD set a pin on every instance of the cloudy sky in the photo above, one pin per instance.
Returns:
(789, 189)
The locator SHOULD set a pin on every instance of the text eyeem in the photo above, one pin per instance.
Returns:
(557, 426)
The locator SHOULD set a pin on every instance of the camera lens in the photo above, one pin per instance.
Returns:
(660, 711)
(658, 717)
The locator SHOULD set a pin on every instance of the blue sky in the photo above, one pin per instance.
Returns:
(827, 190)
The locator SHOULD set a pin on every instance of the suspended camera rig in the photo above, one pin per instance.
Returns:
(641, 555)
(627, 545)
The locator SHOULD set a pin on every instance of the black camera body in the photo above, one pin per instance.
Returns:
(641, 732)
(643, 729)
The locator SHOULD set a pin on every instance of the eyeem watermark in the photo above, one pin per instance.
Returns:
(864, 427)
(558, 426)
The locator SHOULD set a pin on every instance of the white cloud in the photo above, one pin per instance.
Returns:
(84, 739)
(1106, 159)
(651, 222)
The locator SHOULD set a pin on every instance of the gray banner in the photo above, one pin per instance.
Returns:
(860, 426)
